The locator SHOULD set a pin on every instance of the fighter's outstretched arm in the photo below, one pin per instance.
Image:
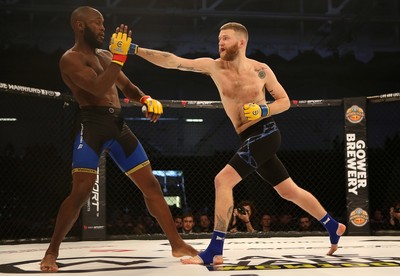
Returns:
(172, 61)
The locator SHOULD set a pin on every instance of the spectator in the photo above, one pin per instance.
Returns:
(138, 228)
(241, 217)
(150, 224)
(378, 221)
(204, 224)
(265, 223)
(394, 221)
(188, 223)
(178, 223)
(305, 224)
(285, 223)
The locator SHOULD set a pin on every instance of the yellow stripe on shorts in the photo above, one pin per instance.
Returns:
(144, 164)
(84, 170)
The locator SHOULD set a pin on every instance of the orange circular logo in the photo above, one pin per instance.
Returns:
(359, 217)
(355, 114)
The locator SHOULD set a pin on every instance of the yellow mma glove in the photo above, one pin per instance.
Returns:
(119, 46)
(254, 111)
(152, 106)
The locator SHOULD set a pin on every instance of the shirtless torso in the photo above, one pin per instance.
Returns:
(76, 65)
(239, 80)
(238, 86)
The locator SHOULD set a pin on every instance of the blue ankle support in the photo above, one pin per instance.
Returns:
(331, 226)
(215, 247)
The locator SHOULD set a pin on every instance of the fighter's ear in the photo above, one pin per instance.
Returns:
(80, 25)
(242, 42)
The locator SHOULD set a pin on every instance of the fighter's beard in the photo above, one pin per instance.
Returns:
(91, 39)
(231, 53)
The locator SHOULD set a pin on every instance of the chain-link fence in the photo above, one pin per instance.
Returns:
(187, 148)
(384, 161)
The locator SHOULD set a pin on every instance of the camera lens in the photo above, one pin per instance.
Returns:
(241, 210)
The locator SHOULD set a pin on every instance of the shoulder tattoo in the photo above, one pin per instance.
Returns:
(261, 73)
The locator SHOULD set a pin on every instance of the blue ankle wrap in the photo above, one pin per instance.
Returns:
(215, 247)
(331, 226)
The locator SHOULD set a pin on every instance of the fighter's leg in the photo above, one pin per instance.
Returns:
(253, 151)
(158, 208)
(68, 214)
(225, 181)
(131, 157)
(308, 202)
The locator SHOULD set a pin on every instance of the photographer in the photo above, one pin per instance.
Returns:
(394, 221)
(241, 217)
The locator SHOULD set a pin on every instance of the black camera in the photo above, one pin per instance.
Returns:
(242, 210)
(397, 210)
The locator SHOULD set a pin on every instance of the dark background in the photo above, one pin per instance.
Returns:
(317, 48)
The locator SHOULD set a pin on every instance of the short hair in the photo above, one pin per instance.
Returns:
(81, 13)
(186, 215)
(237, 27)
(248, 203)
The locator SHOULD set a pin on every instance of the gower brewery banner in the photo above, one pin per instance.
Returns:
(356, 166)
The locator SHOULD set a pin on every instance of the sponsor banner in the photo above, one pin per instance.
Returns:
(25, 90)
(314, 103)
(94, 212)
(356, 166)
(389, 97)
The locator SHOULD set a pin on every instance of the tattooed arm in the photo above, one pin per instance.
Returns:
(171, 61)
(281, 101)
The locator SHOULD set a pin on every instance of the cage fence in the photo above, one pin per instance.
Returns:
(187, 148)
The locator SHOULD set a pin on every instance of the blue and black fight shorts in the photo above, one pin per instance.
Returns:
(103, 128)
(259, 145)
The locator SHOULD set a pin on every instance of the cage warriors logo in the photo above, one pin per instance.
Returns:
(83, 265)
(355, 114)
(306, 261)
(107, 265)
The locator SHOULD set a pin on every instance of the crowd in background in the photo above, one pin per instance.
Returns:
(245, 218)
(389, 220)
(19, 205)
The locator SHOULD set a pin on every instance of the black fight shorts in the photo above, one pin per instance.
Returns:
(103, 128)
(257, 152)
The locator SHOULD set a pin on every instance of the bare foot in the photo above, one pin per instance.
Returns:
(217, 260)
(340, 231)
(48, 263)
(184, 250)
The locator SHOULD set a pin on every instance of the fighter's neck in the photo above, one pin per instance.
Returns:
(237, 64)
